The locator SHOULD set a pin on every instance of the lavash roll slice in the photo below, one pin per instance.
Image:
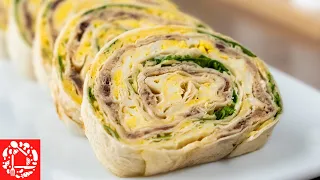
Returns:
(51, 19)
(84, 35)
(4, 8)
(164, 4)
(164, 98)
(20, 34)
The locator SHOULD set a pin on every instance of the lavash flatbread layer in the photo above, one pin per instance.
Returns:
(51, 19)
(164, 98)
(81, 39)
(20, 34)
(4, 8)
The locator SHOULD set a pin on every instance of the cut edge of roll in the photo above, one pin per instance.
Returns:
(18, 50)
(251, 145)
(125, 161)
(37, 61)
(42, 77)
(76, 128)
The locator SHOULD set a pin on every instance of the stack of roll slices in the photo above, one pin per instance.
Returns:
(152, 88)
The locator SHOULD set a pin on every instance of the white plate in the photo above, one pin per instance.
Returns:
(293, 152)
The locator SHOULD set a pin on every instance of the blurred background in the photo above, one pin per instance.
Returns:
(284, 33)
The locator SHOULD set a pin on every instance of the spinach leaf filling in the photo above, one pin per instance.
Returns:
(232, 43)
(91, 96)
(275, 93)
(61, 66)
(111, 132)
(224, 112)
(162, 137)
(227, 110)
(110, 6)
(204, 61)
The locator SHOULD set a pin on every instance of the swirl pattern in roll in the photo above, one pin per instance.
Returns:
(164, 98)
(20, 34)
(84, 35)
(4, 7)
(53, 16)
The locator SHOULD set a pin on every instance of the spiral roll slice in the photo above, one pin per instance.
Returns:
(84, 36)
(4, 7)
(53, 16)
(20, 34)
(164, 98)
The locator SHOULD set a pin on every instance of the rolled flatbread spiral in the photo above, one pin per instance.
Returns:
(164, 98)
(52, 17)
(4, 8)
(84, 35)
(20, 34)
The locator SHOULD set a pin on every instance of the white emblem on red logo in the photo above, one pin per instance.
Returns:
(20, 169)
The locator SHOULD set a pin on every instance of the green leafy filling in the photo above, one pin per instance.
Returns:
(61, 65)
(232, 43)
(201, 26)
(224, 112)
(164, 136)
(234, 96)
(160, 137)
(276, 95)
(277, 99)
(111, 132)
(109, 48)
(91, 96)
(48, 8)
(227, 110)
(202, 61)
(115, 5)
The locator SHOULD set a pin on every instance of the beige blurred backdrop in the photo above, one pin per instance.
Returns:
(286, 37)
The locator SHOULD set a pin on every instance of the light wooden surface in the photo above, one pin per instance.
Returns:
(281, 47)
(284, 12)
